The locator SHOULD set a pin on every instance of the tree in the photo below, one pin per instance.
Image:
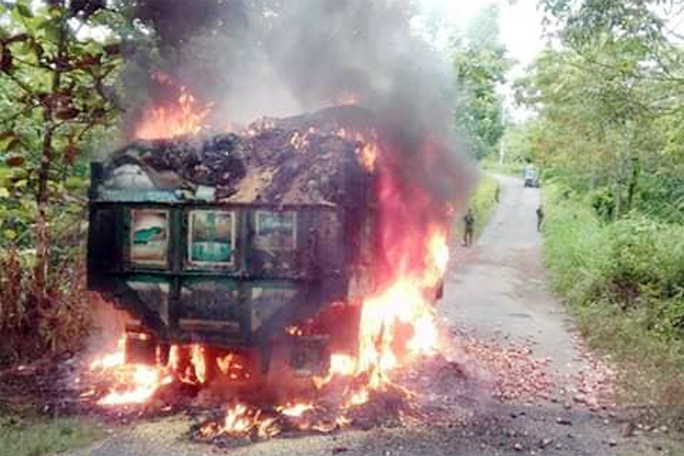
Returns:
(57, 94)
(480, 66)
(610, 100)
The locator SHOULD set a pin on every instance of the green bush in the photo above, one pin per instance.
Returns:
(577, 248)
(625, 282)
(603, 202)
(648, 253)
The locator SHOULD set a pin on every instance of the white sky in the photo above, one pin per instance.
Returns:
(521, 33)
(521, 22)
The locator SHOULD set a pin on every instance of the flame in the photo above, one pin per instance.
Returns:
(294, 331)
(198, 360)
(439, 249)
(111, 360)
(398, 322)
(139, 385)
(295, 410)
(348, 98)
(241, 421)
(174, 357)
(342, 364)
(385, 319)
(368, 148)
(233, 366)
(357, 398)
(132, 383)
(183, 116)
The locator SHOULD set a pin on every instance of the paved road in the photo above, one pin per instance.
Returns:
(497, 291)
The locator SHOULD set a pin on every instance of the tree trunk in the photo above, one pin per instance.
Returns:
(46, 161)
(633, 181)
(42, 237)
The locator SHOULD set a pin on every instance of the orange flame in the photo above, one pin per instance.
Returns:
(368, 149)
(295, 410)
(242, 420)
(197, 359)
(133, 383)
(348, 98)
(136, 383)
(140, 383)
(184, 116)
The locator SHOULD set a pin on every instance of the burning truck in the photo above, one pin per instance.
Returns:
(290, 240)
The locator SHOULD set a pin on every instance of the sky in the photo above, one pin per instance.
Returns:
(521, 22)
(521, 33)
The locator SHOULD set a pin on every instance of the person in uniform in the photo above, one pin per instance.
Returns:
(540, 217)
(469, 222)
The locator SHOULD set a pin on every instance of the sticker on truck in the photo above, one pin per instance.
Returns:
(211, 238)
(149, 236)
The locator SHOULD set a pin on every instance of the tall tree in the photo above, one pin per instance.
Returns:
(611, 101)
(480, 65)
(58, 68)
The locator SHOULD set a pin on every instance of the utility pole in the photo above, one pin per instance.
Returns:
(502, 145)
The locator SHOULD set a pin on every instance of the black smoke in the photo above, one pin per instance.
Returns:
(285, 57)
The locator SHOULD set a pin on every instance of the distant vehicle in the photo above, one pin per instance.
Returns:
(531, 176)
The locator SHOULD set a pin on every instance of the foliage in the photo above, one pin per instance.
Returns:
(29, 330)
(58, 68)
(480, 65)
(509, 168)
(57, 93)
(610, 106)
(625, 281)
(608, 134)
(483, 200)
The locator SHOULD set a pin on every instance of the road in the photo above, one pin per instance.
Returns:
(495, 291)
(499, 290)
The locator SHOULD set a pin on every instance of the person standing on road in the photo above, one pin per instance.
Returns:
(469, 222)
(540, 217)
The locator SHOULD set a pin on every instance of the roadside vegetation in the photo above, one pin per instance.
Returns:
(608, 137)
(483, 202)
(623, 280)
(58, 101)
(508, 168)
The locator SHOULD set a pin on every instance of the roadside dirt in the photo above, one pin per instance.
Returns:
(532, 388)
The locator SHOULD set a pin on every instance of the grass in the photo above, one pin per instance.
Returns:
(24, 434)
(624, 281)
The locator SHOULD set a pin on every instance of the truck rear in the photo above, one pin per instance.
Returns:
(234, 241)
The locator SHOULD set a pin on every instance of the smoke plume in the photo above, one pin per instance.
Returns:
(279, 58)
